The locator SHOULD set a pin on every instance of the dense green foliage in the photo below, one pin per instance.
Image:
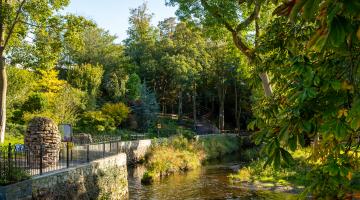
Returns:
(295, 176)
(219, 145)
(310, 49)
(205, 68)
(105, 120)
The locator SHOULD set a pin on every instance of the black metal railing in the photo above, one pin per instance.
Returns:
(36, 161)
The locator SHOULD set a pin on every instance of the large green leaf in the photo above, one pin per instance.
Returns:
(296, 9)
(301, 139)
(286, 156)
(292, 143)
(337, 32)
(277, 159)
(310, 8)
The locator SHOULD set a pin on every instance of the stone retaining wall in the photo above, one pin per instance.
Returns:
(101, 179)
(135, 150)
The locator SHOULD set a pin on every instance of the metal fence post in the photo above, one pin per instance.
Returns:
(87, 153)
(67, 154)
(41, 159)
(117, 146)
(103, 149)
(9, 158)
(71, 154)
(110, 145)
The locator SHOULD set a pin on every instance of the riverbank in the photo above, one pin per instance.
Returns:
(179, 154)
(292, 179)
(210, 181)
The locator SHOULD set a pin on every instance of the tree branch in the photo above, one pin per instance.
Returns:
(12, 27)
(250, 19)
(237, 40)
(217, 15)
(242, 46)
(1, 26)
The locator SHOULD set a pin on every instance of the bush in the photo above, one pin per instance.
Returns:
(294, 175)
(106, 120)
(14, 134)
(35, 102)
(170, 127)
(133, 86)
(118, 112)
(96, 122)
(146, 109)
(14, 175)
(217, 146)
(170, 156)
(20, 84)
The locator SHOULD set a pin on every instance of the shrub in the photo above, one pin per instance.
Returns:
(118, 112)
(146, 109)
(14, 175)
(171, 156)
(217, 146)
(133, 86)
(14, 134)
(170, 127)
(292, 175)
(20, 85)
(35, 102)
(96, 122)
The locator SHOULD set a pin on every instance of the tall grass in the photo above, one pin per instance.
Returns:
(168, 156)
(179, 154)
(294, 175)
(216, 146)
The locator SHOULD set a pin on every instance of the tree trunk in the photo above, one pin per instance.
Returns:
(221, 115)
(237, 111)
(266, 84)
(221, 92)
(194, 104)
(3, 90)
(180, 108)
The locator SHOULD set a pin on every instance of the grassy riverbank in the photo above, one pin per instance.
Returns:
(254, 172)
(178, 154)
(294, 178)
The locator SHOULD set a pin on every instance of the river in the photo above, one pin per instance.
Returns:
(210, 182)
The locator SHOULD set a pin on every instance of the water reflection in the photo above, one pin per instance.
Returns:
(209, 182)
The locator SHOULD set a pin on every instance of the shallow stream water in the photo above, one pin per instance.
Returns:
(209, 182)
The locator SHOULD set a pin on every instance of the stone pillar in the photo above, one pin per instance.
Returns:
(43, 132)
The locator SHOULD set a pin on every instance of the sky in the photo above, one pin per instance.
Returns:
(113, 15)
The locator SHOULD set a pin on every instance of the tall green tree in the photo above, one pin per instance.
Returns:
(16, 18)
(140, 44)
(87, 78)
(316, 69)
(223, 61)
(240, 18)
(99, 48)
(133, 87)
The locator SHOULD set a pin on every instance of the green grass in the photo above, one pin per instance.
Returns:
(292, 176)
(170, 127)
(219, 145)
(14, 134)
(14, 176)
